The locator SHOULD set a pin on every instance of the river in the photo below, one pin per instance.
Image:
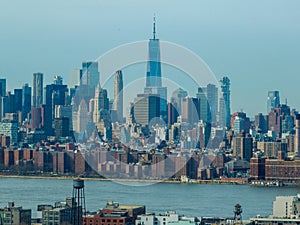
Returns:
(188, 199)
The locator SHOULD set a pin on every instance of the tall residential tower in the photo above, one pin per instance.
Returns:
(37, 95)
(118, 95)
(224, 103)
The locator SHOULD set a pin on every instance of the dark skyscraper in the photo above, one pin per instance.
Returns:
(2, 87)
(172, 112)
(55, 95)
(26, 100)
(273, 100)
(37, 95)
(18, 99)
(118, 95)
(153, 75)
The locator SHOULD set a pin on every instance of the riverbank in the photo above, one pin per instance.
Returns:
(223, 181)
(231, 182)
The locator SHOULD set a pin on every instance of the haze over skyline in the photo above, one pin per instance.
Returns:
(254, 43)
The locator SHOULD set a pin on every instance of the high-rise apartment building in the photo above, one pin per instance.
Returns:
(118, 95)
(242, 147)
(37, 94)
(273, 100)
(26, 100)
(224, 103)
(297, 136)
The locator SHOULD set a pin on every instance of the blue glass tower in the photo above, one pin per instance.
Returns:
(153, 75)
(153, 65)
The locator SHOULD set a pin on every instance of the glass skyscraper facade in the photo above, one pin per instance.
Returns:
(273, 100)
(153, 75)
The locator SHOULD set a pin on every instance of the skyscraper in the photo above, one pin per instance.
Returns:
(26, 100)
(146, 108)
(190, 110)
(273, 100)
(18, 99)
(118, 95)
(101, 104)
(2, 87)
(224, 107)
(55, 95)
(177, 97)
(37, 95)
(153, 75)
(82, 119)
(204, 106)
(90, 74)
(297, 136)
(211, 92)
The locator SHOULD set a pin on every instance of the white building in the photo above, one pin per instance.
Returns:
(169, 218)
(286, 207)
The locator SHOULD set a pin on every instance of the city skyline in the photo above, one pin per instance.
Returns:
(248, 42)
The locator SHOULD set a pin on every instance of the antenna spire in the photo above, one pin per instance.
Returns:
(154, 32)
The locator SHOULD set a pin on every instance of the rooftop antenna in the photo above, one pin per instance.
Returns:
(154, 27)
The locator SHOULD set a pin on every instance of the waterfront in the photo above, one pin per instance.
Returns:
(188, 199)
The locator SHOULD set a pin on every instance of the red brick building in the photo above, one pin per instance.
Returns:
(106, 219)
(257, 168)
(275, 169)
(114, 214)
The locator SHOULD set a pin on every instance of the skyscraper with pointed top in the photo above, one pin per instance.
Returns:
(153, 64)
(153, 75)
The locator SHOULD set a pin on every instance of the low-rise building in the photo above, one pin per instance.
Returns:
(15, 215)
(61, 213)
(168, 218)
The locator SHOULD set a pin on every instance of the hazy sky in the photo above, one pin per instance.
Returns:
(256, 43)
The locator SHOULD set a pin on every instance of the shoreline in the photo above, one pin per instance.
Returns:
(122, 180)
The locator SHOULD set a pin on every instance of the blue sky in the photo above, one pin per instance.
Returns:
(255, 43)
